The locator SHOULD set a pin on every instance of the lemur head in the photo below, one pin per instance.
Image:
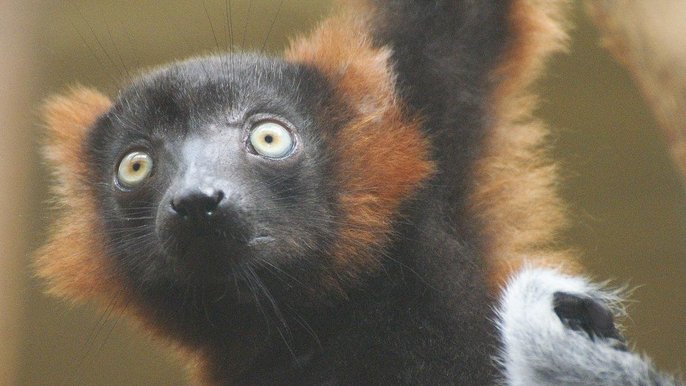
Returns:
(210, 168)
(214, 172)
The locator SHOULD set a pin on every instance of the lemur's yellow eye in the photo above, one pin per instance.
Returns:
(271, 140)
(134, 168)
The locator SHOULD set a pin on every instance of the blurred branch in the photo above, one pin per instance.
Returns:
(649, 38)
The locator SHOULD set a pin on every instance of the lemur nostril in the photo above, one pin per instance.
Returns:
(216, 198)
(178, 209)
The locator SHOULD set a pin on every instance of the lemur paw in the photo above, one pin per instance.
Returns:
(557, 329)
(591, 316)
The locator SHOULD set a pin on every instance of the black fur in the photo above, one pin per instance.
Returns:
(421, 319)
(588, 315)
(445, 52)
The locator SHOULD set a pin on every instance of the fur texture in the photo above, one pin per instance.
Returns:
(390, 163)
(73, 259)
(419, 182)
(514, 182)
(538, 349)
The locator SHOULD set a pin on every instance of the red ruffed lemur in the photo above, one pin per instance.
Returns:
(374, 207)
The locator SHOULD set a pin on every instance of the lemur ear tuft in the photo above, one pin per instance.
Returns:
(68, 118)
(342, 49)
(80, 106)
(72, 261)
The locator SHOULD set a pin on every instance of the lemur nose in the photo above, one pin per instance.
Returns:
(196, 204)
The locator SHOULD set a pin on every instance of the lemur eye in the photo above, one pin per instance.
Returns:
(134, 168)
(271, 140)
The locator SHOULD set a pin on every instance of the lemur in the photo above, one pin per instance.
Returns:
(376, 206)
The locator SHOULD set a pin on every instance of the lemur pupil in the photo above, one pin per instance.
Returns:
(136, 167)
(269, 139)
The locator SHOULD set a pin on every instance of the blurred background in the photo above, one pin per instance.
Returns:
(629, 206)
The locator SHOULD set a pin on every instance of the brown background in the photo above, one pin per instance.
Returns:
(629, 207)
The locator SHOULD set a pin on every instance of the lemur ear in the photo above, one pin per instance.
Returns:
(343, 50)
(72, 261)
(68, 118)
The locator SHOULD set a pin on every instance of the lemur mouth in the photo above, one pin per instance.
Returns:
(214, 257)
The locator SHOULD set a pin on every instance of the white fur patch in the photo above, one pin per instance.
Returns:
(537, 349)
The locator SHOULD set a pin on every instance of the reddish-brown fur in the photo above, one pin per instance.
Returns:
(514, 194)
(73, 260)
(383, 153)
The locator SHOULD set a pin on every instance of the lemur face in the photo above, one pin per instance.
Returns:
(213, 168)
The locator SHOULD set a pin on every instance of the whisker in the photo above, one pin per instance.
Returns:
(285, 333)
(132, 46)
(253, 290)
(305, 325)
(229, 24)
(271, 26)
(278, 271)
(114, 325)
(97, 39)
(91, 338)
(93, 52)
(209, 19)
(245, 25)
(206, 311)
(114, 44)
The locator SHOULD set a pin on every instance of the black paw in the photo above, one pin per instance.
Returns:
(585, 314)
